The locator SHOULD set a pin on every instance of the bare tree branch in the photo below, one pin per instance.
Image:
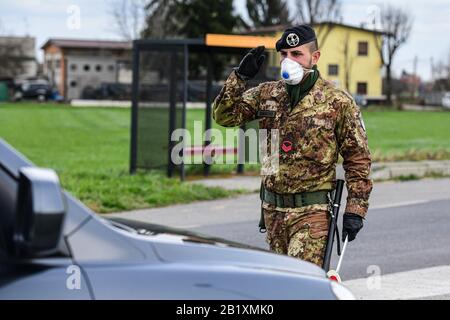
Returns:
(12, 57)
(317, 11)
(160, 19)
(313, 12)
(348, 61)
(128, 17)
(397, 25)
(263, 13)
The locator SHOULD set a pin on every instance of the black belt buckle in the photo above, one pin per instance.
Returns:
(288, 200)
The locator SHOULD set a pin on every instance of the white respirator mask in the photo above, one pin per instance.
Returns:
(292, 72)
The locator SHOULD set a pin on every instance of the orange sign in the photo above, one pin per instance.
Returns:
(239, 41)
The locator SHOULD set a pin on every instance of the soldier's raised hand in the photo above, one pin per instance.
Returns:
(251, 63)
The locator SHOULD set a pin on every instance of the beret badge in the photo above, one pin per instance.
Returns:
(292, 39)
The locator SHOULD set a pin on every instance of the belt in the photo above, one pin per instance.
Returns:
(294, 200)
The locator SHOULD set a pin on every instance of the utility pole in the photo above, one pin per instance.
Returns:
(414, 79)
(432, 69)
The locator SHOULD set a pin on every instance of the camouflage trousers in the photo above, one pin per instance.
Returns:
(298, 232)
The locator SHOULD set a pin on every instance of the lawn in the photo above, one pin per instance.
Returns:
(398, 135)
(89, 148)
(408, 135)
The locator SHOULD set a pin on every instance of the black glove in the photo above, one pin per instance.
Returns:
(351, 225)
(250, 64)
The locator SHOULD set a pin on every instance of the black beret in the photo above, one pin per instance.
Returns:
(295, 36)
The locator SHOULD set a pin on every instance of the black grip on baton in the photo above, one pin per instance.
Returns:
(338, 193)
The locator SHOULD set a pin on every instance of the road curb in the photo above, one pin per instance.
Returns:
(407, 170)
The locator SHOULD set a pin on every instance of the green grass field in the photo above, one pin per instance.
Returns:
(89, 148)
(408, 135)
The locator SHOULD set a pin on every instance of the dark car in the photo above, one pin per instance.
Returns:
(34, 89)
(107, 91)
(53, 247)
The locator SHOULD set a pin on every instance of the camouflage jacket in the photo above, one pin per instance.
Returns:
(325, 123)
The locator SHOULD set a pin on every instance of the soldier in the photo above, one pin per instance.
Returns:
(316, 123)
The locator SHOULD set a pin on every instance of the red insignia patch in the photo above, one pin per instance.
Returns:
(286, 146)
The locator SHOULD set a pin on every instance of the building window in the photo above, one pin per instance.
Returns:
(57, 64)
(87, 67)
(73, 67)
(333, 69)
(73, 84)
(98, 68)
(111, 68)
(361, 88)
(363, 48)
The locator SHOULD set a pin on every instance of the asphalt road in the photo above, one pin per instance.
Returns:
(405, 240)
(392, 240)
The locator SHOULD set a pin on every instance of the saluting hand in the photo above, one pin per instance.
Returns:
(251, 63)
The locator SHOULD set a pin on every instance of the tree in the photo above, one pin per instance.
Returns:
(441, 74)
(11, 56)
(161, 19)
(348, 61)
(264, 13)
(128, 17)
(313, 12)
(191, 19)
(188, 18)
(397, 25)
(199, 17)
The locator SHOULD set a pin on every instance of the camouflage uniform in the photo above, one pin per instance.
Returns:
(324, 124)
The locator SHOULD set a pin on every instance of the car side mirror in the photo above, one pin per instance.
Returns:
(40, 212)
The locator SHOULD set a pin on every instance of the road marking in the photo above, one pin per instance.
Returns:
(399, 204)
(413, 284)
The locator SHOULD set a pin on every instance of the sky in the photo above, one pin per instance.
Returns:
(91, 19)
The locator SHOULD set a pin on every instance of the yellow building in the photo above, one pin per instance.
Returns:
(350, 58)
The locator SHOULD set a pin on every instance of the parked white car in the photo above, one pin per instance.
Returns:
(446, 100)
